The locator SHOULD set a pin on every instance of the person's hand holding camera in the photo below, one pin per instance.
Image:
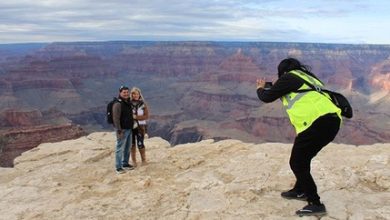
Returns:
(260, 83)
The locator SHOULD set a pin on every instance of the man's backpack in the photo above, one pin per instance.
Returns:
(337, 98)
(109, 110)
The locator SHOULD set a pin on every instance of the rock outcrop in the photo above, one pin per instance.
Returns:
(16, 141)
(226, 179)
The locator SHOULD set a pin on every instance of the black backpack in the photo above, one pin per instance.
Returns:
(109, 110)
(340, 101)
(337, 98)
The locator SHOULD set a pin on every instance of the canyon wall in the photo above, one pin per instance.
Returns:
(195, 90)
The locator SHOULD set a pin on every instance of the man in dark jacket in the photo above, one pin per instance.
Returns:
(123, 123)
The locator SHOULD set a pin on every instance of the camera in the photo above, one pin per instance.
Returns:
(268, 85)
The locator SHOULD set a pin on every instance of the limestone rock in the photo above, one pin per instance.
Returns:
(210, 179)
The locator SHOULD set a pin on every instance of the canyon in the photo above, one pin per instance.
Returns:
(195, 90)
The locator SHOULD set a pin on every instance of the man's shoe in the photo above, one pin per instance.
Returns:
(311, 209)
(128, 167)
(292, 194)
(120, 171)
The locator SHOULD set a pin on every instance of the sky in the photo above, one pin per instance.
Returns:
(313, 21)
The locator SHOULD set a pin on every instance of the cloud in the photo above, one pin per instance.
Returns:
(267, 20)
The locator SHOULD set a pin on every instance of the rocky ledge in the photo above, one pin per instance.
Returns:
(227, 179)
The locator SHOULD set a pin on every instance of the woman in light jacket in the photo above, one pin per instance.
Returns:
(140, 115)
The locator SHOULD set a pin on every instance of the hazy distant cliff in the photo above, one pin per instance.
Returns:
(227, 179)
(196, 90)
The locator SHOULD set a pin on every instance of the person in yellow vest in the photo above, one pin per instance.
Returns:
(316, 121)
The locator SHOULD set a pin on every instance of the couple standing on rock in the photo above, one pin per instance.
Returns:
(129, 114)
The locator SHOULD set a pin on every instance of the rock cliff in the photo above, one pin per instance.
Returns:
(195, 90)
(226, 179)
(16, 141)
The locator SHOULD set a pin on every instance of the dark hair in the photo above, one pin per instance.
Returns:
(123, 88)
(289, 64)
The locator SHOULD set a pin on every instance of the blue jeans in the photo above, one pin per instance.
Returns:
(122, 151)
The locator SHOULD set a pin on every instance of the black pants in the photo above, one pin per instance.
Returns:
(306, 146)
(138, 136)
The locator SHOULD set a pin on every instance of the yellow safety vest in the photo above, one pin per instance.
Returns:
(304, 108)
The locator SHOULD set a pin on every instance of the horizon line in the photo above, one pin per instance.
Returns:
(191, 41)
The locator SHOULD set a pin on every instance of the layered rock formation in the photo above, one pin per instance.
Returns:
(22, 130)
(226, 179)
(195, 90)
(17, 141)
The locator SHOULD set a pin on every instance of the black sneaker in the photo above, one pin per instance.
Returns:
(292, 194)
(120, 171)
(128, 167)
(311, 209)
